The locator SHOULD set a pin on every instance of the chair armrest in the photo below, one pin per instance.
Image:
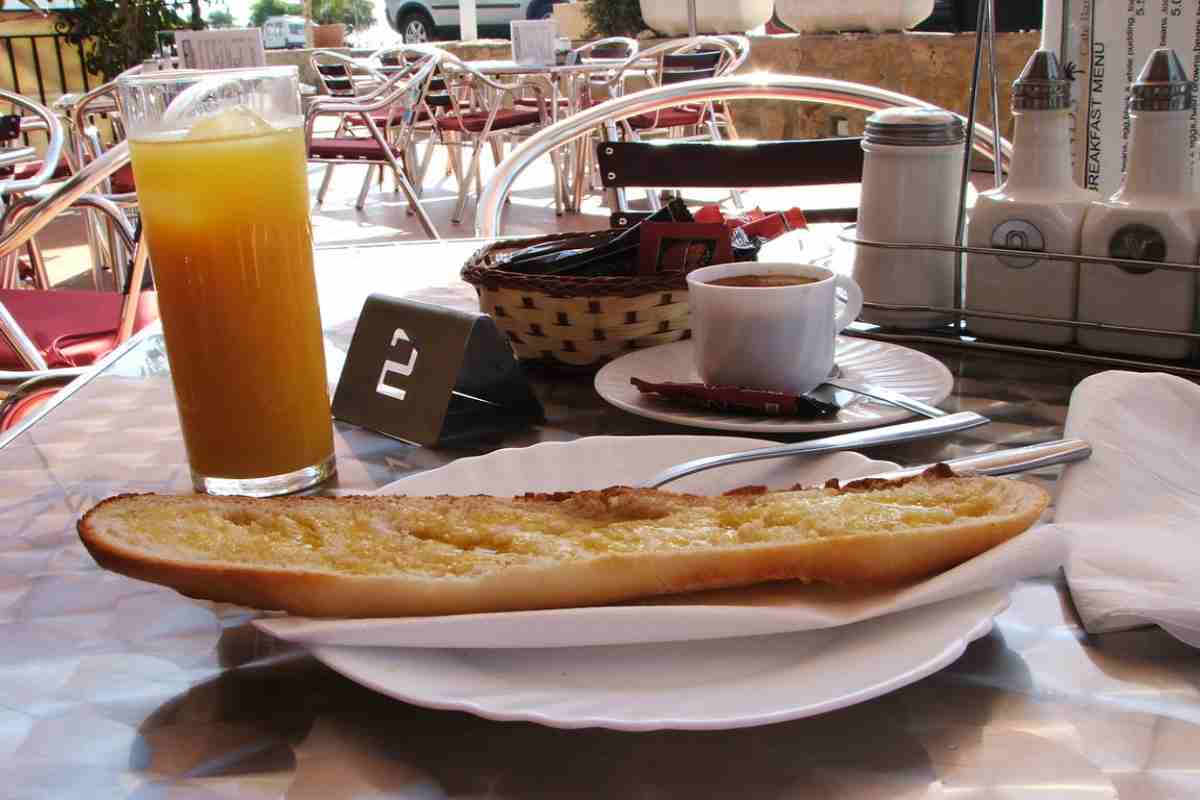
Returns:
(54, 146)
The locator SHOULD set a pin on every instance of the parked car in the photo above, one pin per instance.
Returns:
(281, 33)
(427, 20)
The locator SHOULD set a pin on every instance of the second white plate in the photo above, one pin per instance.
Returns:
(888, 365)
(709, 685)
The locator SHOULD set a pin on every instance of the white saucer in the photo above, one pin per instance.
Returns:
(888, 365)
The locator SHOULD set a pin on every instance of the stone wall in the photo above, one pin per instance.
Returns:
(934, 67)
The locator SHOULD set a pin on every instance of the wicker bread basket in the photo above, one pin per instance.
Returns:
(577, 321)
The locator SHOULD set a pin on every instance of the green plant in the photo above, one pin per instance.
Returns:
(220, 19)
(354, 14)
(262, 10)
(119, 34)
(614, 17)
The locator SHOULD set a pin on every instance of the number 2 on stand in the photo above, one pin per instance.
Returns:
(395, 366)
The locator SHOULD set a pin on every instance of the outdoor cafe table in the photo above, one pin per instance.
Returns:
(113, 688)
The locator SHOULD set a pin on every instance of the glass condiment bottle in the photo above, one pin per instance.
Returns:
(1039, 207)
(1152, 217)
(912, 166)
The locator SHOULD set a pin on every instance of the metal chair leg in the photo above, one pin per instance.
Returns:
(9, 271)
(426, 160)
(478, 159)
(324, 184)
(41, 278)
(464, 188)
(366, 188)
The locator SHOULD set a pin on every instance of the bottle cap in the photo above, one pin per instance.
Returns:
(914, 126)
(1162, 85)
(1042, 85)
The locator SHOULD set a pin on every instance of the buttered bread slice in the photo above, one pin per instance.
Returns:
(375, 556)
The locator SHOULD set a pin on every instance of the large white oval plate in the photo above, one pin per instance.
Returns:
(706, 685)
(709, 684)
(891, 366)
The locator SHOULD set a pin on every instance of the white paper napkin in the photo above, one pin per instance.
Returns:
(754, 610)
(1132, 511)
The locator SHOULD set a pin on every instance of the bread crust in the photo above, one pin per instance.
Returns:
(884, 557)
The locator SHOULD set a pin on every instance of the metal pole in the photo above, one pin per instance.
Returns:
(692, 25)
(468, 20)
(959, 228)
(995, 81)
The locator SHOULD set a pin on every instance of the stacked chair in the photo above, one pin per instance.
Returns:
(376, 129)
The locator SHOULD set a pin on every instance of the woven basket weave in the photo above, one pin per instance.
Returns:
(577, 321)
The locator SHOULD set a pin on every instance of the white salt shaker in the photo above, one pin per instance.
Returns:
(911, 175)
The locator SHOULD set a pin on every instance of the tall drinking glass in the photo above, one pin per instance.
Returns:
(219, 162)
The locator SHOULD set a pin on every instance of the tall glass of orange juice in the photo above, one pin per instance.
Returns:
(219, 162)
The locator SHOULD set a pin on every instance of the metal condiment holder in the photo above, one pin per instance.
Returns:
(956, 334)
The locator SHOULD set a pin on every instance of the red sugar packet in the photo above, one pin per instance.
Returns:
(755, 221)
(734, 399)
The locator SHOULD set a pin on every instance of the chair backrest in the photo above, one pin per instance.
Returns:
(437, 94)
(679, 67)
(798, 88)
(87, 143)
(403, 92)
(732, 165)
(679, 60)
(609, 48)
(335, 73)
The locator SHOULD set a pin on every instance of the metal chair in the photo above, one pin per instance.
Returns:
(754, 87)
(590, 89)
(119, 313)
(339, 75)
(87, 144)
(680, 61)
(22, 171)
(436, 101)
(492, 117)
(399, 99)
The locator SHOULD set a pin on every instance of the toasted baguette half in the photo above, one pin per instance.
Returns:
(374, 556)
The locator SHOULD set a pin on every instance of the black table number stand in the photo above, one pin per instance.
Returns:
(431, 375)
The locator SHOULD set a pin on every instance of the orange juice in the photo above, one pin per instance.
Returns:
(226, 219)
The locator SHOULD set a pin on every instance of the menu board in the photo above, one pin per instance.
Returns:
(1106, 42)
(229, 48)
(533, 41)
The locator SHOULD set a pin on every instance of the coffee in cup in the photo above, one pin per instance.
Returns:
(768, 325)
(763, 281)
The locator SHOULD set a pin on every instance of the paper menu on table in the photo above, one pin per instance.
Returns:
(231, 48)
(1105, 43)
(533, 41)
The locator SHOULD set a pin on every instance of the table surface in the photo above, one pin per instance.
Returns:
(112, 688)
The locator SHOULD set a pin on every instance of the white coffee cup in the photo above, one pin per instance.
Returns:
(779, 338)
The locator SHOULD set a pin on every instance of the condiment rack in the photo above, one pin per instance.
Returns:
(956, 333)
